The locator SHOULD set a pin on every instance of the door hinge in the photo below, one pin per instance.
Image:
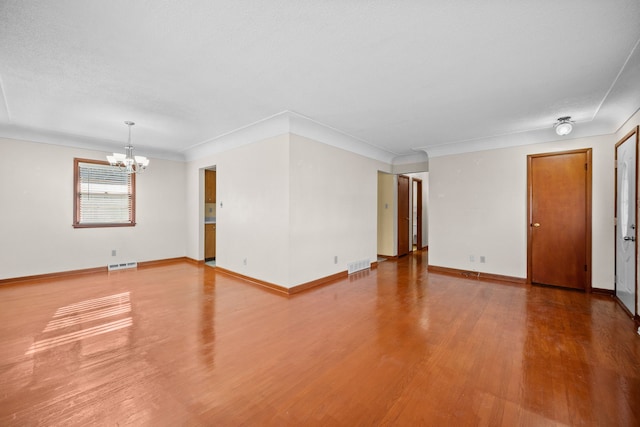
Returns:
(586, 167)
(585, 267)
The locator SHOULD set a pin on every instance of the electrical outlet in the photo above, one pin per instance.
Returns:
(482, 259)
(472, 258)
(335, 259)
(244, 261)
(113, 252)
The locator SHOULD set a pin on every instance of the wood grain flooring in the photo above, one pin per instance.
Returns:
(180, 344)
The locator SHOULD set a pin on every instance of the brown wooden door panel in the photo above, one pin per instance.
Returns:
(403, 215)
(559, 219)
(209, 241)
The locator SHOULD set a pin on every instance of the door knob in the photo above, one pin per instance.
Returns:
(535, 224)
(633, 239)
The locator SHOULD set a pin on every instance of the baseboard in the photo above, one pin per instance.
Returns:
(262, 283)
(281, 289)
(611, 293)
(623, 307)
(48, 276)
(156, 263)
(319, 282)
(393, 257)
(167, 261)
(606, 292)
(478, 275)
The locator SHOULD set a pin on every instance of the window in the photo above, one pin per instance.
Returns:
(104, 195)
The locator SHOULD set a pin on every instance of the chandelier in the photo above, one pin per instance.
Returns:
(127, 162)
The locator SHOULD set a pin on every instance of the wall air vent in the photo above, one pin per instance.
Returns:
(363, 264)
(122, 265)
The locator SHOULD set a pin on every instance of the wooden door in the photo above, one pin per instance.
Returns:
(210, 186)
(559, 240)
(403, 215)
(209, 241)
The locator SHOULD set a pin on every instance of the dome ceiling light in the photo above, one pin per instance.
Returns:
(564, 126)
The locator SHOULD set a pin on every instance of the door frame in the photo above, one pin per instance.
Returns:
(203, 192)
(418, 204)
(529, 224)
(634, 315)
(407, 206)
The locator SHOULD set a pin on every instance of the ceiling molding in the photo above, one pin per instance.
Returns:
(511, 140)
(277, 124)
(632, 59)
(286, 122)
(24, 133)
(621, 102)
(5, 102)
(312, 129)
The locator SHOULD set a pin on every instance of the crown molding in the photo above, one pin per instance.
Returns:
(269, 127)
(286, 122)
(24, 133)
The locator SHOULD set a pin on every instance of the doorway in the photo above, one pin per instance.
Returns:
(416, 212)
(210, 223)
(626, 283)
(403, 215)
(559, 208)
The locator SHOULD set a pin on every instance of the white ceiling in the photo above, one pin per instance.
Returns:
(444, 76)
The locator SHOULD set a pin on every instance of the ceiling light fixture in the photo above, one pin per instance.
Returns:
(564, 126)
(128, 162)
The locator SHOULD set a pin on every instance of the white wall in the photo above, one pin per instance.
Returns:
(290, 205)
(477, 206)
(333, 196)
(252, 215)
(36, 214)
(253, 210)
(628, 126)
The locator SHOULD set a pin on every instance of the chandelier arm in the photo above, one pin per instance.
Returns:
(129, 163)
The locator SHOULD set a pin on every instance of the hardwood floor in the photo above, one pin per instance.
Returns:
(182, 344)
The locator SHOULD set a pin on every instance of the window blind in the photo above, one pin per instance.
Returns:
(104, 195)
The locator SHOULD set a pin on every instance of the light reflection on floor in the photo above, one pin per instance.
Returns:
(80, 313)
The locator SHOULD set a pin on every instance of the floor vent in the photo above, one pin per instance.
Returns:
(122, 266)
(363, 264)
